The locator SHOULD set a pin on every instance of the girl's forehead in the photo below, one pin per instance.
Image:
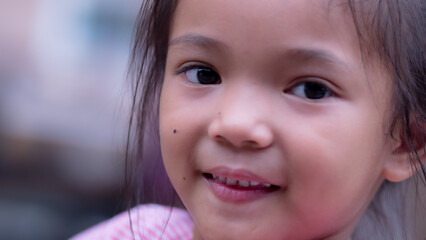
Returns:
(252, 9)
(322, 28)
(258, 18)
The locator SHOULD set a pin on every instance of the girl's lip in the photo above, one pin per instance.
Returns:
(237, 185)
(233, 191)
(238, 174)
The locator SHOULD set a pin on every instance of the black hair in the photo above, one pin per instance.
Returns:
(392, 31)
(399, 28)
(146, 70)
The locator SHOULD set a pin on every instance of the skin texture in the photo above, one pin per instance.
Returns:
(327, 155)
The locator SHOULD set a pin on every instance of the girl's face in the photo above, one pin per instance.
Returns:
(271, 124)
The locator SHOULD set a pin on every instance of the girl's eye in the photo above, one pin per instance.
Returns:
(311, 90)
(202, 75)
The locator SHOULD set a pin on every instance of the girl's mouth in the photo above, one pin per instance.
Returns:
(240, 184)
(238, 190)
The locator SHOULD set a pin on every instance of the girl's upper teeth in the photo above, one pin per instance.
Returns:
(230, 181)
(241, 183)
(254, 183)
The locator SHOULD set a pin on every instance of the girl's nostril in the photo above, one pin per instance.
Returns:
(240, 132)
(219, 138)
(251, 144)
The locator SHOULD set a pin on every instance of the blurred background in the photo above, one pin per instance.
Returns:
(63, 114)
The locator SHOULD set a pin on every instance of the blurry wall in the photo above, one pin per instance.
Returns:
(63, 101)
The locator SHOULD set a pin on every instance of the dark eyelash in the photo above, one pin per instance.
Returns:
(189, 67)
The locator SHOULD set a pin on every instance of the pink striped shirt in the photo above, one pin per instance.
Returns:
(150, 221)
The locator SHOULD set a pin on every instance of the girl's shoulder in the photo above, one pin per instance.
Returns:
(150, 221)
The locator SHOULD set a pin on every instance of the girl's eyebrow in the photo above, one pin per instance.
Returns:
(197, 40)
(296, 54)
(310, 54)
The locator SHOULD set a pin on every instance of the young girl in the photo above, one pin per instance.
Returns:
(280, 119)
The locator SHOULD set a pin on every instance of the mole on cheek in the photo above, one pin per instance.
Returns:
(174, 131)
(184, 178)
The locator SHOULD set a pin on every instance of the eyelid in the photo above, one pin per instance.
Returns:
(192, 65)
(335, 90)
(186, 71)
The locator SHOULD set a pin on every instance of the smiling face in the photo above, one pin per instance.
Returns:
(271, 125)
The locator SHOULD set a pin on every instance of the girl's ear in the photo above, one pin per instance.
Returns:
(402, 162)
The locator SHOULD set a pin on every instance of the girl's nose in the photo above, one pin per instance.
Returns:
(242, 125)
